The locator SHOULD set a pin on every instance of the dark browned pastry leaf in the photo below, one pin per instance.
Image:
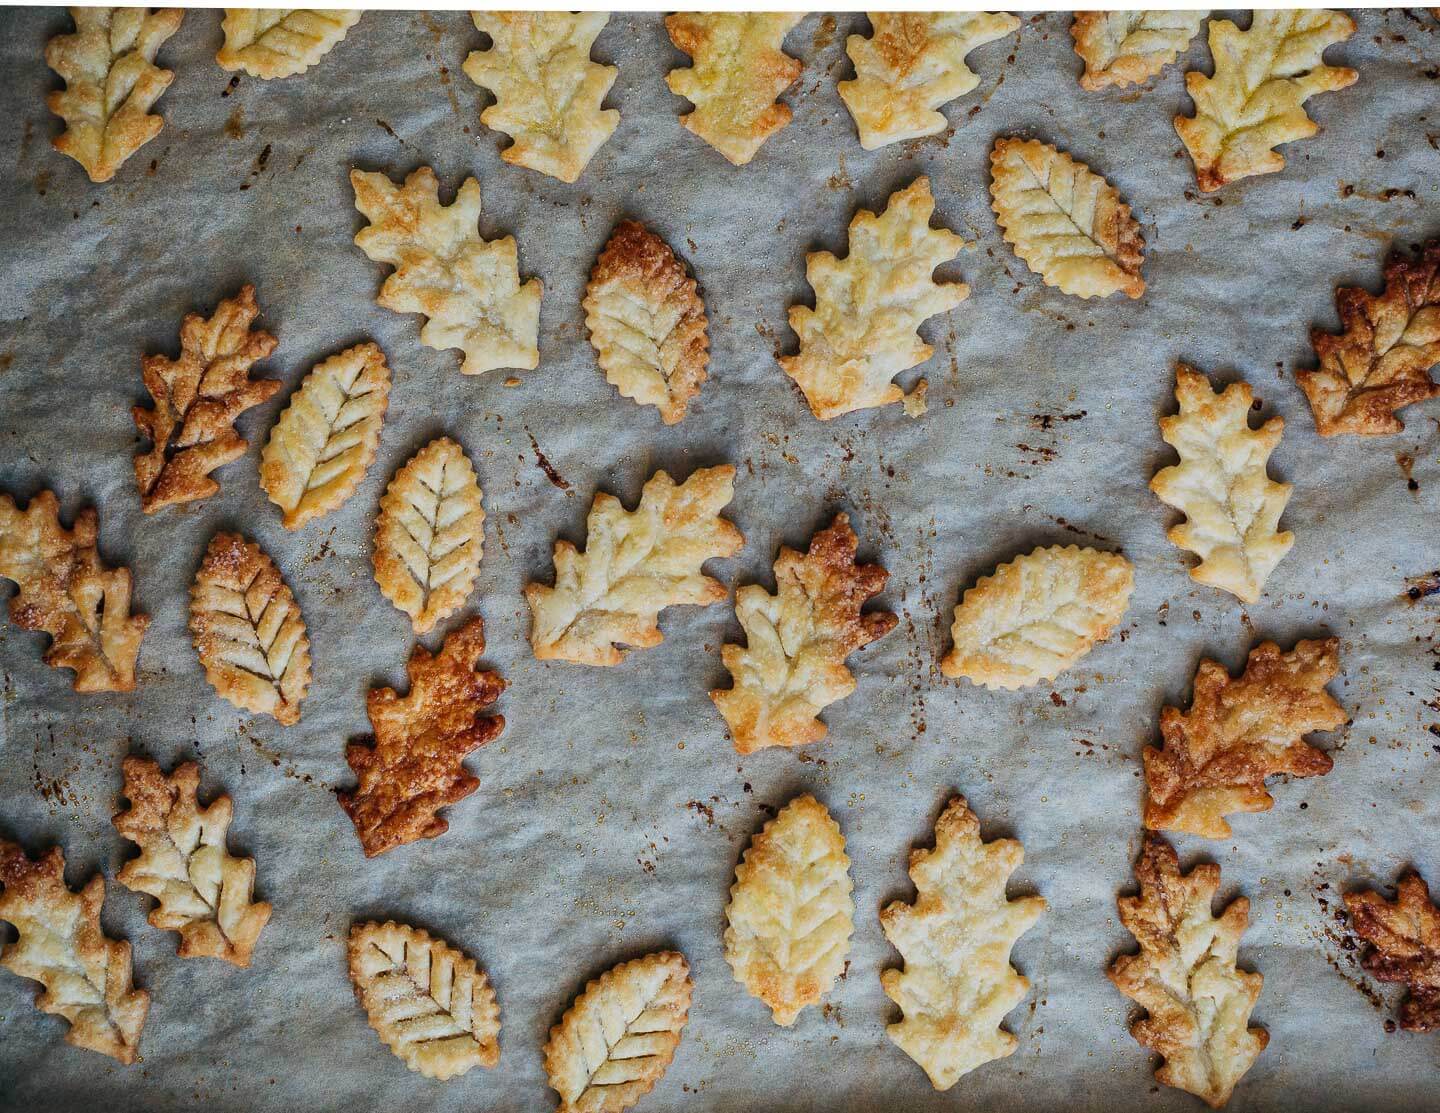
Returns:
(1404, 936)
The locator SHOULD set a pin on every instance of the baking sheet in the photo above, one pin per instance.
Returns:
(612, 810)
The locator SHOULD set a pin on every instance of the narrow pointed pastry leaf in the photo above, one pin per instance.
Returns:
(1404, 939)
(281, 42)
(1126, 48)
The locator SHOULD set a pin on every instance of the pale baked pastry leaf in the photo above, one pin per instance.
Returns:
(1256, 99)
(868, 306)
(65, 590)
(790, 915)
(1404, 939)
(547, 90)
(468, 288)
(85, 976)
(281, 42)
(1033, 618)
(1126, 48)
(202, 890)
(1197, 1002)
(635, 564)
(1214, 759)
(617, 1040)
(429, 1002)
(913, 63)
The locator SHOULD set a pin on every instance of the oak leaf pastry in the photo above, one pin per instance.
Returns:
(1065, 221)
(1127, 48)
(1033, 618)
(111, 82)
(739, 69)
(790, 911)
(197, 400)
(1214, 758)
(429, 1002)
(912, 64)
(327, 436)
(868, 306)
(281, 42)
(1231, 505)
(1197, 1002)
(248, 630)
(793, 663)
(1256, 99)
(635, 564)
(85, 977)
(203, 891)
(647, 322)
(547, 90)
(66, 591)
(1404, 946)
(617, 1040)
(430, 534)
(468, 288)
(414, 766)
(1381, 360)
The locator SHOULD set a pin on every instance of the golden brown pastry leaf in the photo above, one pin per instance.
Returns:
(281, 42)
(1126, 48)
(1404, 938)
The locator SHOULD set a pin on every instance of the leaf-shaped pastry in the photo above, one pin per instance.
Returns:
(1126, 48)
(739, 69)
(468, 288)
(197, 399)
(86, 977)
(281, 42)
(647, 322)
(957, 983)
(111, 81)
(203, 891)
(793, 663)
(1256, 99)
(1197, 1003)
(1214, 758)
(547, 90)
(1033, 618)
(618, 1038)
(328, 435)
(1231, 506)
(790, 910)
(868, 306)
(248, 630)
(430, 534)
(1404, 939)
(1065, 221)
(912, 64)
(66, 591)
(1381, 360)
(430, 1003)
(635, 564)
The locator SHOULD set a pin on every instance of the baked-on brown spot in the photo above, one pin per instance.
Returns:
(1404, 935)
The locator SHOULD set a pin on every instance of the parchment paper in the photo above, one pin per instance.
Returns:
(612, 810)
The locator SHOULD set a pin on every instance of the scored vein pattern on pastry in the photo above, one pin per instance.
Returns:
(547, 90)
(868, 306)
(430, 1003)
(1197, 1003)
(203, 891)
(957, 983)
(1065, 221)
(327, 437)
(430, 534)
(1214, 759)
(248, 630)
(635, 564)
(793, 663)
(1231, 505)
(912, 64)
(1126, 48)
(647, 322)
(1256, 99)
(468, 287)
(790, 912)
(617, 1040)
(197, 400)
(111, 81)
(86, 977)
(739, 69)
(1033, 618)
(66, 591)
(1381, 360)
(281, 42)
(1404, 939)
